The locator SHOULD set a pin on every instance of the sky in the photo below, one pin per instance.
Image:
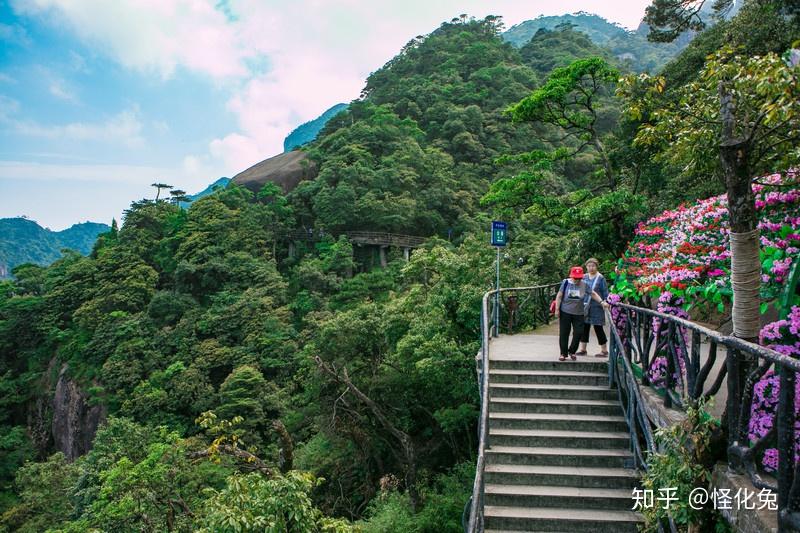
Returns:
(99, 98)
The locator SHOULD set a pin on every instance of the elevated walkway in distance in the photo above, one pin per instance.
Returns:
(557, 456)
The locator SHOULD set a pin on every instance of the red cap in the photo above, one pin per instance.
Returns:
(576, 273)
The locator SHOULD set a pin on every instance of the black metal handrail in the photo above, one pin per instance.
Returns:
(622, 376)
(539, 298)
(643, 336)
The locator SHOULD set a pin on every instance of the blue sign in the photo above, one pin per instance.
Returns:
(499, 233)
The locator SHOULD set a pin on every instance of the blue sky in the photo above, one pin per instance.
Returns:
(100, 98)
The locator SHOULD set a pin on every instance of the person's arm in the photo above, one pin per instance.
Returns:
(599, 299)
(558, 299)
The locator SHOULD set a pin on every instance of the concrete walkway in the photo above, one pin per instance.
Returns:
(558, 456)
(541, 344)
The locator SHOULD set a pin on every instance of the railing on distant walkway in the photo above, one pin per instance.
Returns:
(532, 310)
(376, 238)
(667, 349)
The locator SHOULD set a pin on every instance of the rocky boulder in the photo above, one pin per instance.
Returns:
(285, 170)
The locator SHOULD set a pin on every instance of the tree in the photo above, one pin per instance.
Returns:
(160, 186)
(178, 196)
(44, 490)
(575, 106)
(571, 100)
(670, 18)
(739, 119)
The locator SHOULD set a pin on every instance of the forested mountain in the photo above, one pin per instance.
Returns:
(629, 47)
(25, 241)
(308, 131)
(221, 183)
(231, 380)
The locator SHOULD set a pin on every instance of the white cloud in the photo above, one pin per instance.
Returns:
(26, 170)
(8, 107)
(59, 89)
(124, 127)
(14, 34)
(154, 35)
(317, 52)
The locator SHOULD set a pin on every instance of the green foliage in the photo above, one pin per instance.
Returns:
(201, 314)
(683, 461)
(24, 241)
(44, 495)
(251, 503)
(631, 48)
(688, 133)
(444, 502)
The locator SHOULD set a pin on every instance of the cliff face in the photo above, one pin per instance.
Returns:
(75, 422)
(285, 170)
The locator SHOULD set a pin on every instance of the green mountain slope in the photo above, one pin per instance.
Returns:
(206, 333)
(25, 241)
(599, 30)
(631, 47)
(307, 132)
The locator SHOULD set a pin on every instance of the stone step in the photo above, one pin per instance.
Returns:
(541, 455)
(563, 377)
(558, 519)
(563, 476)
(562, 497)
(558, 438)
(583, 364)
(552, 391)
(556, 405)
(557, 421)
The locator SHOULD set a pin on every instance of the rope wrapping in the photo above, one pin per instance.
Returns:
(746, 283)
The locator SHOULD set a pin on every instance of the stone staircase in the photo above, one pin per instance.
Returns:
(559, 452)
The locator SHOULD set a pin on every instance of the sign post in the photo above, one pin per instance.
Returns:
(499, 239)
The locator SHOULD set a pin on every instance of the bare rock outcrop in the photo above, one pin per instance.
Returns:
(285, 170)
(75, 422)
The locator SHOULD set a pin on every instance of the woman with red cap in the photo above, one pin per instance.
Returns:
(570, 302)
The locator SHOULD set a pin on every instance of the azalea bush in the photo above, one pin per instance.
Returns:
(686, 250)
(670, 304)
(783, 336)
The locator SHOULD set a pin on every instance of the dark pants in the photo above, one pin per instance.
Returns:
(598, 330)
(567, 321)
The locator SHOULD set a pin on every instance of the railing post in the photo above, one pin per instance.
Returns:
(693, 367)
(668, 379)
(785, 420)
(736, 378)
(612, 357)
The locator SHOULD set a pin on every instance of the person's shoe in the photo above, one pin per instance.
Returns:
(601, 354)
(572, 356)
(582, 352)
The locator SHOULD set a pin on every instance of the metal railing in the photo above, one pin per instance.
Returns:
(621, 375)
(537, 303)
(668, 351)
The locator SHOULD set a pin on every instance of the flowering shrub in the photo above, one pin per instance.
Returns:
(617, 315)
(686, 250)
(782, 336)
(670, 304)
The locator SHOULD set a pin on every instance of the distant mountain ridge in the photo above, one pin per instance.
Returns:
(25, 241)
(221, 183)
(631, 47)
(599, 30)
(307, 132)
